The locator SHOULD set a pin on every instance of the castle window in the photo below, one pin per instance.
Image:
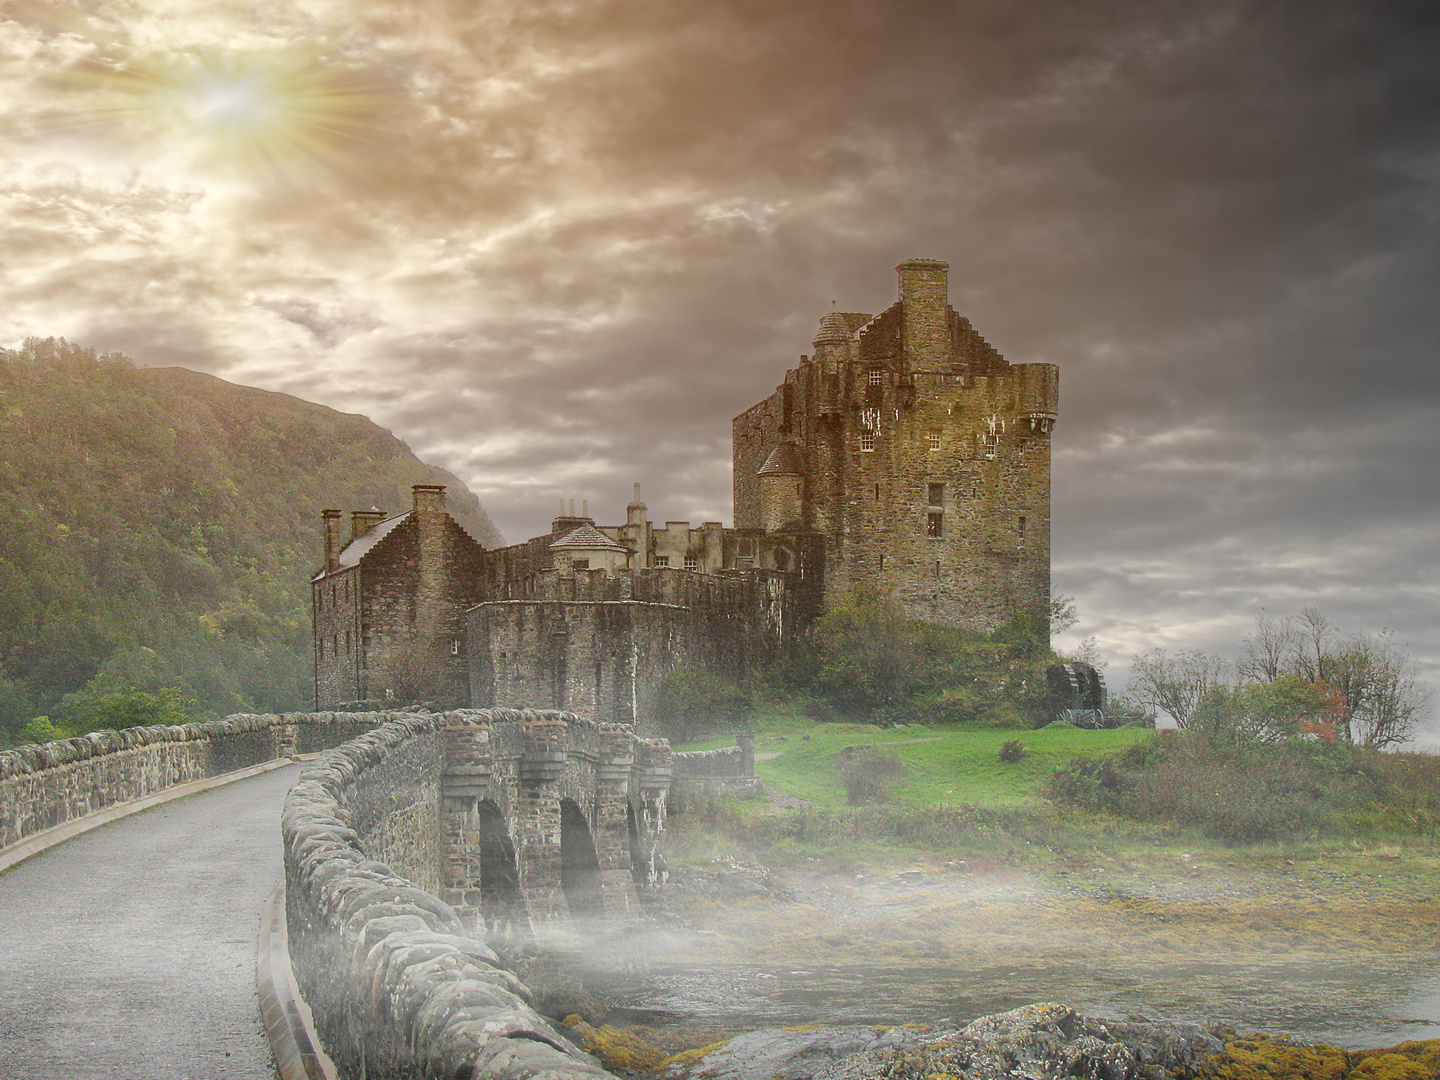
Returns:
(882, 562)
(692, 562)
(935, 524)
(877, 491)
(455, 647)
(662, 560)
(876, 376)
(580, 564)
(937, 569)
(1020, 530)
(347, 642)
(867, 442)
(990, 445)
(934, 440)
(935, 494)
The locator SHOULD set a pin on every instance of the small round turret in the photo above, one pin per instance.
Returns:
(832, 331)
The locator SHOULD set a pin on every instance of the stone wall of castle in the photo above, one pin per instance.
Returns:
(600, 645)
(922, 461)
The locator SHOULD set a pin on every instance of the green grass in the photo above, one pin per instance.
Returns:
(952, 766)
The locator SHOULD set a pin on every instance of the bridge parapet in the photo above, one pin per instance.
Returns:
(397, 986)
(48, 785)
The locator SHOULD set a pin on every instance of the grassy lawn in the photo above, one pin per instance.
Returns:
(943, 765)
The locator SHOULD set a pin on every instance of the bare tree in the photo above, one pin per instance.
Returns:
(1270, 651)
(1313, 656)
(1176, 684)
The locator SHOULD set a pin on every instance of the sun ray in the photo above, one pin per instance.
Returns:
(288, 110)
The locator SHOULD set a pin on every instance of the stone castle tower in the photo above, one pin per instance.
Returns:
(918, 454)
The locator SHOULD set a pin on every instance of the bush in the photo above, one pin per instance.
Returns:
(865, 661)
(693, 703)
(1011, 751)
(868, 772)
(1242, 791)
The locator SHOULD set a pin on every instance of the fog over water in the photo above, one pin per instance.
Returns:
(1244, 950)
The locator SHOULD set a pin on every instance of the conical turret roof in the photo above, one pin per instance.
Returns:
(783, 461)
(832, 330)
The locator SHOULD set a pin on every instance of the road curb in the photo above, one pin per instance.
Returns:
(293, 1042)
(42, 841)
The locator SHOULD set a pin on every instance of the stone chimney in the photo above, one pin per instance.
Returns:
(362, 521)
(924, 291)
(429, 515)
(636, 511)
(331, 518)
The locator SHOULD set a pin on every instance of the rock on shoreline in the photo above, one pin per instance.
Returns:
(1036, 1042)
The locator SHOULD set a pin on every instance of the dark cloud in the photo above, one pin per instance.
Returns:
(582, 236)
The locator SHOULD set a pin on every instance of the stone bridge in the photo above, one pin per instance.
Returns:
(412, 845)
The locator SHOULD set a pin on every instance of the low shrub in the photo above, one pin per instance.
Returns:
(868, 772)
(1011, 751)
(1241, 791)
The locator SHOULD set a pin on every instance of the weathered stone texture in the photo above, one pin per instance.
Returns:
(396, 987)
(392, 602)
(600, 645)
(922, 458)
(47, 785)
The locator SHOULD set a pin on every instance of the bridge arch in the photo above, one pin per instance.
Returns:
(580, 878)
(501, 904)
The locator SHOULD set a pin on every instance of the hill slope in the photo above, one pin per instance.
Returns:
(160, 526)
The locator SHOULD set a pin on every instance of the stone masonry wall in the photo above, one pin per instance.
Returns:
(47, 785)
(396, 987)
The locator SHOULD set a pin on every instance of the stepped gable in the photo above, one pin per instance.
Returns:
(983, 358)
(362, 545)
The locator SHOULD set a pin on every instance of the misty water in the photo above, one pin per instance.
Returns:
(1350, 1003)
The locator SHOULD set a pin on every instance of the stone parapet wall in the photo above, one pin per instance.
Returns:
(396, 986)
(711, 770)
(47, 785)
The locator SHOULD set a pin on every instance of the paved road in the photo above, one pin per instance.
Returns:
(128, 953)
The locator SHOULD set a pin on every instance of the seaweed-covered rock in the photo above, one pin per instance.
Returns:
(1039, 1042)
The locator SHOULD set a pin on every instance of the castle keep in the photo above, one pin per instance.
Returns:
(905, 456)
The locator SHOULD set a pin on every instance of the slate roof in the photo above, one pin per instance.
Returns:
(587, 538)
(357, 549)
(781, 462)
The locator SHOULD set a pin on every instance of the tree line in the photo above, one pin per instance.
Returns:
(1299, 673)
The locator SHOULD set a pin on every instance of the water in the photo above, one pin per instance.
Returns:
(1349, 1003)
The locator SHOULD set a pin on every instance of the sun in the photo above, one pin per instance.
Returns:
(287, 111)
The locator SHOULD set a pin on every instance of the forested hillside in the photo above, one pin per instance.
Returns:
(159, 530)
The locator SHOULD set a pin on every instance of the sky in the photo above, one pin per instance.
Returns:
(556, 246)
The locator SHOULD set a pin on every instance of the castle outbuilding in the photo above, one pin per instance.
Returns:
(905, 456)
